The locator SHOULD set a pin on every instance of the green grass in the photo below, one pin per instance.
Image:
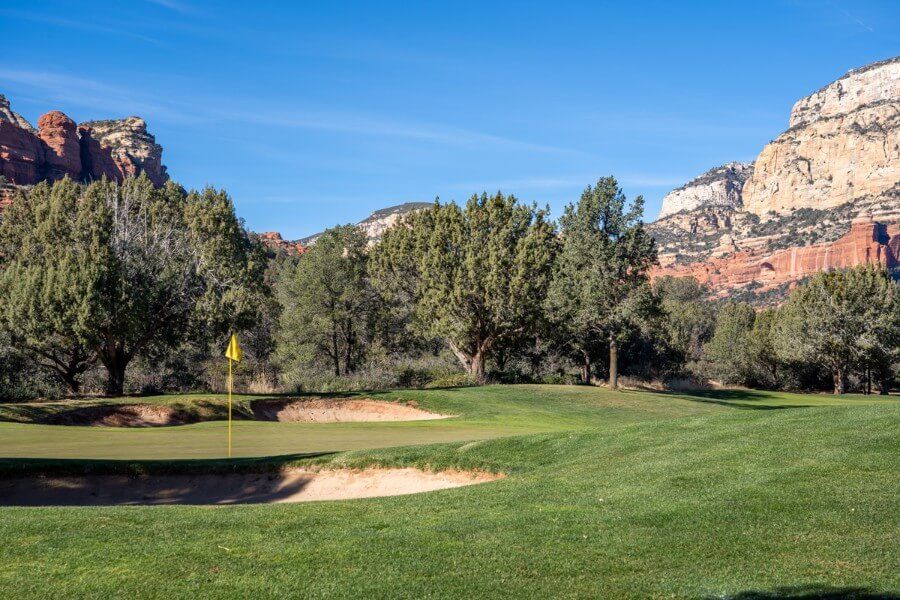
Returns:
(611, 495)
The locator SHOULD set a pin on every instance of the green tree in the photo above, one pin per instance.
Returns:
(329, 304)
(843, 320)
(475, 276)
(45, 276)
(765, 363)
(729, 352)
(599, 292)
(690, 318)
(131, 269)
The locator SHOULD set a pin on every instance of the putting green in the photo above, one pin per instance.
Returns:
(208, 440)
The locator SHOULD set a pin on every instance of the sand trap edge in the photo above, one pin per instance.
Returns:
(289, 485)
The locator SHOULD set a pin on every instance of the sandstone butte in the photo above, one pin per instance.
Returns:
(58, 148)
(868, 242)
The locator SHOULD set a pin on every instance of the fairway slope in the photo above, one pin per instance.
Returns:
(606, 495)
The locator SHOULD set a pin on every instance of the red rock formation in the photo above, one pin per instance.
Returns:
(115, 150)
(96, 160)
(273, 240)
(63, 155)
(21, 154)
(867, 242)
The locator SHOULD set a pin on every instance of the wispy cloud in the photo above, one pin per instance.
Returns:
(91, 26)
(181, 7)
(362, 124)
(69, 90)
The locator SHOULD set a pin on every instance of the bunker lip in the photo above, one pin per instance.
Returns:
(289, 485)
(301, 410)
(338, 410)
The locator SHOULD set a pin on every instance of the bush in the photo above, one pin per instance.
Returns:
(560, 379)
(451, 381)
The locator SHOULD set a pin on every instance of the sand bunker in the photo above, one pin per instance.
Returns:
(326, 410)
(290, 485)
(307, 410)
(121, 415)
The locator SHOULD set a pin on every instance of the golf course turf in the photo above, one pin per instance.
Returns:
(731, 494)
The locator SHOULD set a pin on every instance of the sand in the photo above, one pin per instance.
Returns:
(305, 410)
(325, 410)
(289, 485)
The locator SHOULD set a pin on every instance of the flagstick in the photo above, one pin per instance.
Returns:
(230, 385)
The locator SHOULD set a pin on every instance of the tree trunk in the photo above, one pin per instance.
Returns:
(476, 369)
(71, 380)
(868, 381)
(839, 382)
(586, 368)
(335, 353)
(613, 363)
(884, 383)
(115, 378)
(473, 362)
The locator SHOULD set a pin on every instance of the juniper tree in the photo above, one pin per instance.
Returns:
(329, 304)
(127, 269)
(599, 291)
(843, 320)
(46, 272)
(474, 276)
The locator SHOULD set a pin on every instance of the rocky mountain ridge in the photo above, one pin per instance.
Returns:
(372, 226)
(806, 197)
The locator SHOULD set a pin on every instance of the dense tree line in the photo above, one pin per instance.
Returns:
(134, 279)
(106, 273)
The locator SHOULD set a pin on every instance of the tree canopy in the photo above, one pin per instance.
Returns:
(599, 291)
(843, 319)
(474, 276)
(120, 270)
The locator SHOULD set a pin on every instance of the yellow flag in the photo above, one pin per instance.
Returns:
(234, 350)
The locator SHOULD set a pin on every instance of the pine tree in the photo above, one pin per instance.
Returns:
(599, 291)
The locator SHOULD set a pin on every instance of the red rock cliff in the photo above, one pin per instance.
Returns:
(867, 242)
(112, 149)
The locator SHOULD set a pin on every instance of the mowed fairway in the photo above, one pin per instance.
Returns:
(613, 495)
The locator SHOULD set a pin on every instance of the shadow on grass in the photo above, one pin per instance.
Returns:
(733, 398)
(160, 489)
(20, 467)
(810, 592)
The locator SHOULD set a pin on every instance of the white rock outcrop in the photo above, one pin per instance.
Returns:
(720, 186)
(843, 145)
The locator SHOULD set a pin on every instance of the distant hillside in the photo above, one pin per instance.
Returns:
(378, 222)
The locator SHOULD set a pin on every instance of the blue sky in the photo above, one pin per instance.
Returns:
(313, 114)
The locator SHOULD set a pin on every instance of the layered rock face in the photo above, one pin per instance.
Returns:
(843, 144)
(60, 135)
(9, 115)
(720, 186)
(380, 221)
(867, 242)
(59, 148)
(824, 195)
(133, 148)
